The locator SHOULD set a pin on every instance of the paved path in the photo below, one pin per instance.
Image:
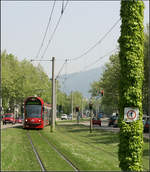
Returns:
(9, 126)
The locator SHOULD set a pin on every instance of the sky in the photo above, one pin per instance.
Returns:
(82, 25)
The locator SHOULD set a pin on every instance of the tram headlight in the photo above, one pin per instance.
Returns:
(26, 120)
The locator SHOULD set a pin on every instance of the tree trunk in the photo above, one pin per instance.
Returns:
(130, 87)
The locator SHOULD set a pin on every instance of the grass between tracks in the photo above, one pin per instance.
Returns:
(88, 151)
(16, 151)
(52, 161)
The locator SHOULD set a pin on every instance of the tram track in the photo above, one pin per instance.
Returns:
(102, 149)
(36, 153)
(97, 147)
(59, 153)
(52, 146)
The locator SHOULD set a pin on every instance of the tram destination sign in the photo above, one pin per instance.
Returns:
(131, 114)
(31, 102)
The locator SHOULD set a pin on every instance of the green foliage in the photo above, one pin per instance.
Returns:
(130, 89)
(22, 79)
(146, 69)
(110, 83)
(65, 101)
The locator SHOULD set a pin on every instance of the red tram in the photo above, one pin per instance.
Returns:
(36, 113)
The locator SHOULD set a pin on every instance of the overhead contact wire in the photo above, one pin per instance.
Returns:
(98, 42)
(100, 58)
(48, 24)
(55, 29)
(61, 69)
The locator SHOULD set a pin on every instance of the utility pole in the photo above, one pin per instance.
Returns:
(77, 114)
(91, 116)
(0, 88)
(149, 84)
(72, 103)
(53, 97)
(82, 107)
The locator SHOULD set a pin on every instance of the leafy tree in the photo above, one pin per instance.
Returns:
(20, 80)
(65, 101)
(146, 70)
(109, 82)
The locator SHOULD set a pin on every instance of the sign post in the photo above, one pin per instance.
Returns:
(77, 113)
(91, 116)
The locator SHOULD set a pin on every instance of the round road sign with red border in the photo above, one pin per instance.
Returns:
(131, 114)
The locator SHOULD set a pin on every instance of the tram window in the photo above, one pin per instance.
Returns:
(33, 111)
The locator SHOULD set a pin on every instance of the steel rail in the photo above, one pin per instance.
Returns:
(61, 154)
(36, 153)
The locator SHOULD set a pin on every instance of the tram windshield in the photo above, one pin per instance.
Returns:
(33, 111)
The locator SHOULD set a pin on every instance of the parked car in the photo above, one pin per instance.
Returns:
(69, 117)
(8, 118)
(96, 121)
(113, 121)
(18, 120)
(64, 117)
(146, 125)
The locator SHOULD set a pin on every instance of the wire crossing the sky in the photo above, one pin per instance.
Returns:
(98, 42)
(61, 69)
(100, 58)
(55, 29)
(48, 24)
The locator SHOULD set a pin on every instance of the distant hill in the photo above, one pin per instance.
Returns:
(80, 81)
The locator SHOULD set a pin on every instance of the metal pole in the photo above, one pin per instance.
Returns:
(149, 82)
(0, 89)
(53, 97)
(78, 118)
(91, 116)
(72, 103)
(55, 100)
(82, 108)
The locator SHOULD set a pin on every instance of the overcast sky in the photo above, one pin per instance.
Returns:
(83, 24)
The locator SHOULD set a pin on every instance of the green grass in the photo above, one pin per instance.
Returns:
(16, 152)
(88, 151)
(49, 157)
(73, 121)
